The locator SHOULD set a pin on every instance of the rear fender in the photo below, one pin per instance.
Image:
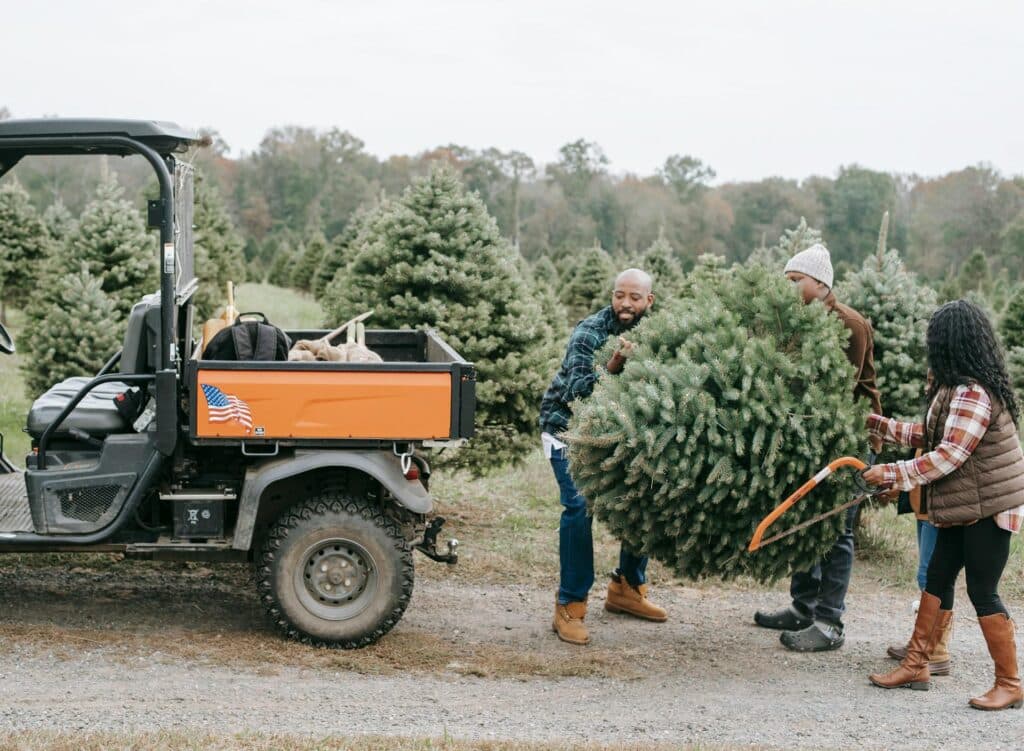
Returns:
(380, 465)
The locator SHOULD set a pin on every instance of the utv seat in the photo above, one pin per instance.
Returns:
(96, 413)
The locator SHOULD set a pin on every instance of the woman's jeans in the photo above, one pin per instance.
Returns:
(576, 541)
(927, 534)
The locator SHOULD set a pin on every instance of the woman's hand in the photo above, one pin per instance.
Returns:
(874, 475)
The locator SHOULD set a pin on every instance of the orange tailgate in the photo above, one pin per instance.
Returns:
(323, 404)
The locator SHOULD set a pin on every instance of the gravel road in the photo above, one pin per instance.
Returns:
(707, 676)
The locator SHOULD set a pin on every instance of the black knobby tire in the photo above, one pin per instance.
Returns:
(335, 571)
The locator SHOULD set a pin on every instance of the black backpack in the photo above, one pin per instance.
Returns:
(249, 340)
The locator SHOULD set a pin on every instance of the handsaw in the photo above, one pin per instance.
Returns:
(757, 540)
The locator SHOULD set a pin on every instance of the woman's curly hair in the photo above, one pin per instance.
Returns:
(962, 347)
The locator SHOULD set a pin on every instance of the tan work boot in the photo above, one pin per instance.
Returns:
(625, 598)
(568, 623)
(939, 660)
(1006, 693)
(913, 670)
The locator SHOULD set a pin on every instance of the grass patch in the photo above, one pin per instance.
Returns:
(14, 403)
(287, 308)
(201, 741)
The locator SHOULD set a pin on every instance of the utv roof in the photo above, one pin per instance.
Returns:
(162, 137)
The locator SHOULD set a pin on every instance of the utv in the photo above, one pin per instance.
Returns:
(313, 471)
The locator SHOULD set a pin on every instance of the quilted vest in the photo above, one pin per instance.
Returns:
(992, 478)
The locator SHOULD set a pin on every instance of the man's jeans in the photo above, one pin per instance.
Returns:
(576, 541)
(820, 594)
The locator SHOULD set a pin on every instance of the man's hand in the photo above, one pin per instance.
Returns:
(623, 352)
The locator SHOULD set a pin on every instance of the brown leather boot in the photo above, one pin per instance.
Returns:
(625, 598)
(939, 662)
(913, 670)
(568, 623)
(1006, 693)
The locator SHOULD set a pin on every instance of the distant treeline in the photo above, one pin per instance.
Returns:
(302, 182)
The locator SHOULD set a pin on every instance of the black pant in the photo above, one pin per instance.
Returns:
(982, 549)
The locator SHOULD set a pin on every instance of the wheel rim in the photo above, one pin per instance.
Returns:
(337, 579)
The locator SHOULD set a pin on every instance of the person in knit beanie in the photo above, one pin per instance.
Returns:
(813, 621)
(811, 270)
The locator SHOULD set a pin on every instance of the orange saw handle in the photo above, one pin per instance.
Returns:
(807, 487)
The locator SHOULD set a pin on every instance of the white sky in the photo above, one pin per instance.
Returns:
(776, 87)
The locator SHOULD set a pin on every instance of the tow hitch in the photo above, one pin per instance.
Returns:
(428, 546)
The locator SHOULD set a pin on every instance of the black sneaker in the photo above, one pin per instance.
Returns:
(814, 638)
(786, 619)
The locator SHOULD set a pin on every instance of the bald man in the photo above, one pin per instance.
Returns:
(632, 297)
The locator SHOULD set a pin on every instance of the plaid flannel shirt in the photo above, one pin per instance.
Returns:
(970, 412)
(576, 377)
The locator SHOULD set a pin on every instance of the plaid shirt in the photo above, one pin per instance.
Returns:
(577, 376)
(970, 411)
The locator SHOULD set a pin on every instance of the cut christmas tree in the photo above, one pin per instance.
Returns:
(736, 396)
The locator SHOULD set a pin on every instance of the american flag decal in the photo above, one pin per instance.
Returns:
(225, 408)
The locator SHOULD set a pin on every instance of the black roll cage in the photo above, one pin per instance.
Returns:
(14, 146)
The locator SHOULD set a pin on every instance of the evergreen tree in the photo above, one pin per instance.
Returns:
(113, 242)
(217, 246)
(1015, 366)
(545, 272)
(24, 245)
(339, 252)
(898, 307)
(660, 261)
(59, 222)
(975, 274)
(72, 331)
(309, 262)
(589, 288)
(791, 243)
(734, 398)
(543, 278)
(1011, 327)
(435, 259)
(280, 272)
(709, 271)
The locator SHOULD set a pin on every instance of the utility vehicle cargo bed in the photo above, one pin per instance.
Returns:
(422, 391)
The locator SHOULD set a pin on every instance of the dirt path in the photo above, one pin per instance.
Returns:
(170, 647)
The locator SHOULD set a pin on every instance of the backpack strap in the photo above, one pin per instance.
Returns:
(266, 342)
(242, 336)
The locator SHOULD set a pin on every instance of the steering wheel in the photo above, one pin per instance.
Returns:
(6, 342)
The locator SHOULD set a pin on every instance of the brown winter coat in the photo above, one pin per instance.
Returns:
(859, 350)
(989, 482)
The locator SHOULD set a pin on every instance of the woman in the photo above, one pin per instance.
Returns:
(974, 467)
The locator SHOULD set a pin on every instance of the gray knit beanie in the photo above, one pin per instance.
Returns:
(814, 262)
